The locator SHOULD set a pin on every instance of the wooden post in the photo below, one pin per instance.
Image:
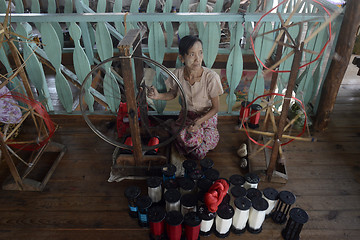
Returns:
(285, 108)
(126, 66)
(339, 64)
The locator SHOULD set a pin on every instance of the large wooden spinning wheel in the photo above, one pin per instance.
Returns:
(114, 104)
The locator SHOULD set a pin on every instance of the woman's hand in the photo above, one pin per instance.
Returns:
(153, 93)
(193, 128)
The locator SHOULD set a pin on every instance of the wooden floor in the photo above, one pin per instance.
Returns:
(79, 203)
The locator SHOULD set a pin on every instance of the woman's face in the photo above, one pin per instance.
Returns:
(194, 57)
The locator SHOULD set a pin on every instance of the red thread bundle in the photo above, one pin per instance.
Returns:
(216, 194)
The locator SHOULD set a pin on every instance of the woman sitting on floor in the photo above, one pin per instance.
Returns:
(202, 88)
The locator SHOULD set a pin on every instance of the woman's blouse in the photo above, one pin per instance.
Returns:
(198, 96)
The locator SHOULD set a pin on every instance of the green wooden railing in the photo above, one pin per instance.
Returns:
(95, 29)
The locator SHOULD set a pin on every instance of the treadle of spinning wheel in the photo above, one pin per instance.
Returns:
(129, 158)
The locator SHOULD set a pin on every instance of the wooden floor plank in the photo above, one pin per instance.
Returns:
(79, 203)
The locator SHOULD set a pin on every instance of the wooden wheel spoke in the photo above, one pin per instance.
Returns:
(311, 51)
(284, 27)
(279, 62)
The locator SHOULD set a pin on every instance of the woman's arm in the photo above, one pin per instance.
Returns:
(154, 94)
(215, 101)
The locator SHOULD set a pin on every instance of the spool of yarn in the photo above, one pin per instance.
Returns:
(168, 171)
(251, 180)
(237, 192)
(257, 215)
(154, 189)
(170, 184)
(196, 175)
(172, 200)
(152, 142)
(207, 220)
(186, 185)
(252, 193)
(174, 220)
(236, 180)
(244, 112)
(188, 203)
(189, 166)
(223, 220)
(206, 163)
(271, 196)
(255, 112)
(212, 174)
(156, 217)
(203, 186)
(131, 193)
(192, 223)
(143, 204)
(241, 216)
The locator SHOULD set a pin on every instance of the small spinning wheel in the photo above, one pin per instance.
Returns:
(110, 91)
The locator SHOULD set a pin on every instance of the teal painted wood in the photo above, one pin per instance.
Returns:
(87, 32)
(210, 36)
(51, 6)
(336, 25)
(159, 84)
(119, 25)
(19, 6)
(156, 42)
(151, 6)
(156, 45)
(183, 29)
(218, 6)
(52, 48)
(248, 28)
(201, 25)
(56, 25)
(3, 6)
(103, 41)
(232, 25)
(307, 86)
(105, 51)
(168, 25)
(101, 6)
(211, 40)
(184, 26)
(16, 83)
(134, 8)
(262, 48)
(34, 68)
(69, 6)
(35, 7)
(81, 64)
(234, 67)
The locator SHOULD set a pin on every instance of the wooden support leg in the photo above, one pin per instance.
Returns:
(277, 137)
